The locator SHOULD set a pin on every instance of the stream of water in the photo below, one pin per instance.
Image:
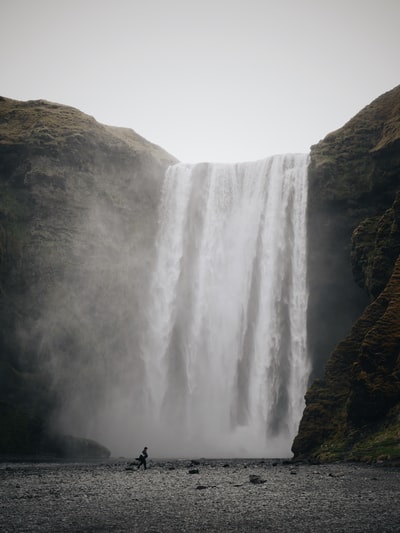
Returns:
(226, 352)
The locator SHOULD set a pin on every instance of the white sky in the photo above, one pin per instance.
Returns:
(208, 80)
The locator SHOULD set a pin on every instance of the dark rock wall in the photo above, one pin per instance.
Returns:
(354, 244)
(354, 175)
(78, 215)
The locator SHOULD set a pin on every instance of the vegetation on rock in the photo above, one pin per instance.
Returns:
(354, 213)
(56, 165)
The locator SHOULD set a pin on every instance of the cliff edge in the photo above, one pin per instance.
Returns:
(353, 407)
(74, 195)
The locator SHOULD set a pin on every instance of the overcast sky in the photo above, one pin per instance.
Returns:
(208, 80)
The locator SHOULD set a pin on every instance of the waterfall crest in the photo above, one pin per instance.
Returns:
(225, 354)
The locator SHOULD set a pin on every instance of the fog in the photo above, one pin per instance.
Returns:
(181, 326)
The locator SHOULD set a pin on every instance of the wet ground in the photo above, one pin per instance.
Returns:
(223, 496)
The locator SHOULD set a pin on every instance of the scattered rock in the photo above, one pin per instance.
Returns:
(257, 480)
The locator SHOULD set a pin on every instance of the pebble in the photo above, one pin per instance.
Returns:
(105, 497)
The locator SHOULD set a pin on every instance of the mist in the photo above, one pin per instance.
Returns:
(180, 323)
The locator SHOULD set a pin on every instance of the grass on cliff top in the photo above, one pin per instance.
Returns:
(39, 122)
(27, 122)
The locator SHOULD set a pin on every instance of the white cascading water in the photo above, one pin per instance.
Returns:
(226, 351)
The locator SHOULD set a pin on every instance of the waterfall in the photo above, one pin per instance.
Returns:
(225, 354)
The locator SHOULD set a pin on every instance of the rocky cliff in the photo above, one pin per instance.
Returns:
(77, 218)
(354, 243)
(77, 222)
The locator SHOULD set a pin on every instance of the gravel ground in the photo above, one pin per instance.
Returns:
(224, 496)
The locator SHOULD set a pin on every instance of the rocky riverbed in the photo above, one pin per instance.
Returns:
(194, 496)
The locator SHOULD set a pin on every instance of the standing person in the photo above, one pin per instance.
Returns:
(142, 458)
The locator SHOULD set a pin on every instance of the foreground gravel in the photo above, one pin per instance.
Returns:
(224, 496)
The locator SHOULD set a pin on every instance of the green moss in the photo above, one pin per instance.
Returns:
(368, 444)
(386, 449)
(348, 414)
(381, 444)
(362, 246)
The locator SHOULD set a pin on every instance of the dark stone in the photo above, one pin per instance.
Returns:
(256, 480)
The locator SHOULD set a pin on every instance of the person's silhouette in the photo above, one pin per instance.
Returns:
(142, 458)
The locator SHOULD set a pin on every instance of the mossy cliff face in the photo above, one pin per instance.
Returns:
(74, 196)
(354, 243)
(353, 176)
